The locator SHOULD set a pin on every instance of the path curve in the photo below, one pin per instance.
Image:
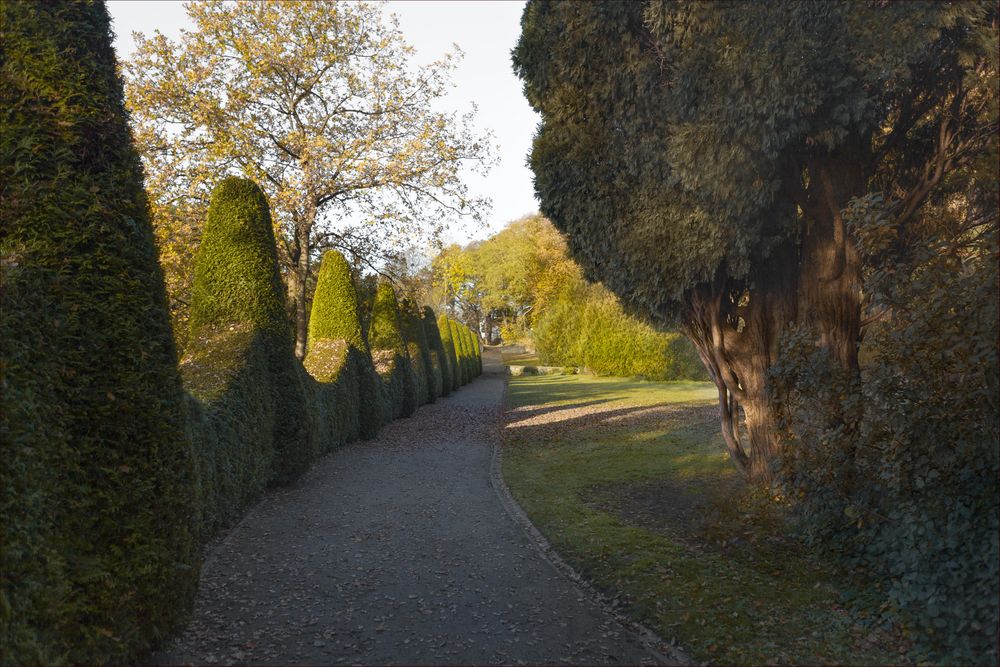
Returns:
(398, 551)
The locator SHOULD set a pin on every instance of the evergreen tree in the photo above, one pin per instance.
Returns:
(700, 163)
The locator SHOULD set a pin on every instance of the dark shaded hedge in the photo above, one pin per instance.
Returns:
(461, 336)
(389, 354)
(439, 360)
(420, 354)
(478, 351)
(97, 556)
(111, 475)
(450, 350)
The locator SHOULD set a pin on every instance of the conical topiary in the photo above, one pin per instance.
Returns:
(478, 350)
(390, 355)
(439, 358)
(97, 558)
(420, 354)
(338, 352)
(451, 352)
(459, 340)
(238, 317)
(236, 278)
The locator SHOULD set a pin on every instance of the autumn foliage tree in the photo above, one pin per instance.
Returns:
(320, 103)
(700, 157)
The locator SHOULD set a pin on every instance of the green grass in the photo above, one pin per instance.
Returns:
(525, 359)
(642, 501)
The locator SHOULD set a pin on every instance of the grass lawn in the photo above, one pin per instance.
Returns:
(629, 481)
(525, 359)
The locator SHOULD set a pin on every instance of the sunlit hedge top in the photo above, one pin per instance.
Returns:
(385, 331)
(335, 304)
(236, 275)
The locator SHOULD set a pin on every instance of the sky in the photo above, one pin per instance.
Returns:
(485, 31)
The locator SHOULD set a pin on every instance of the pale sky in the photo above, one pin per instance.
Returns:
(485, 32)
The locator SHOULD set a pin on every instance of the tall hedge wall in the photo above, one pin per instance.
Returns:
(477, 352)
(338, 354)
(97, 556)
(113, 477)
(389, 353)
(442, 371)
(459, 340)
(450, 351)
(237, 294)
(462, 350)
(420, 354)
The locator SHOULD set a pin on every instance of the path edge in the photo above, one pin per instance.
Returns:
(665, 652)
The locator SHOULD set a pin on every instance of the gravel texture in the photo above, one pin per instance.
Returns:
(399, 551)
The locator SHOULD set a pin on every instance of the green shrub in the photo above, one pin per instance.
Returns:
(231, 418)
(470, 371)
(470, 361)
(447, 331)
(389, 354)
(442, 371)
(420, 353)
(97, 557)
(237, 284)
(338, 354)
(902, 481)
(458, 338)
(478, 351)
(587, 327)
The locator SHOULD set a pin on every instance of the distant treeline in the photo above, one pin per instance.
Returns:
(521, 286)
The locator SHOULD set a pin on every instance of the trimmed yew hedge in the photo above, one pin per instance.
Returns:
(337, 355)
(237, 312)
(439, 360)
(98, 559)
(420, 353)
(113, 475)
(390, 356)
(450, 351)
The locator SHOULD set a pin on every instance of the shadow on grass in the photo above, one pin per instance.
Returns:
(630, 483)
(546, 389)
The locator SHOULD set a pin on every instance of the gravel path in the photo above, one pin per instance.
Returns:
(398, 551)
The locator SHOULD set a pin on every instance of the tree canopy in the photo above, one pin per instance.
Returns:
(699, 157)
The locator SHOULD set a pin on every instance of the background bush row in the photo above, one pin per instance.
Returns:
(118, 462)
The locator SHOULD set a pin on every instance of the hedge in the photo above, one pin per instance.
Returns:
(426, 388)
(237, 295)
(466, 360)
(456, 344)
(337, 354)
(587, 327)
(477, 355)
(113, 476)
(439, 360)
(97, 556)
(389, 353)
(450, 351)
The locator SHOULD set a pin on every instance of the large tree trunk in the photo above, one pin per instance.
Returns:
(737, 326)
(830, 281)
(736, 331)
